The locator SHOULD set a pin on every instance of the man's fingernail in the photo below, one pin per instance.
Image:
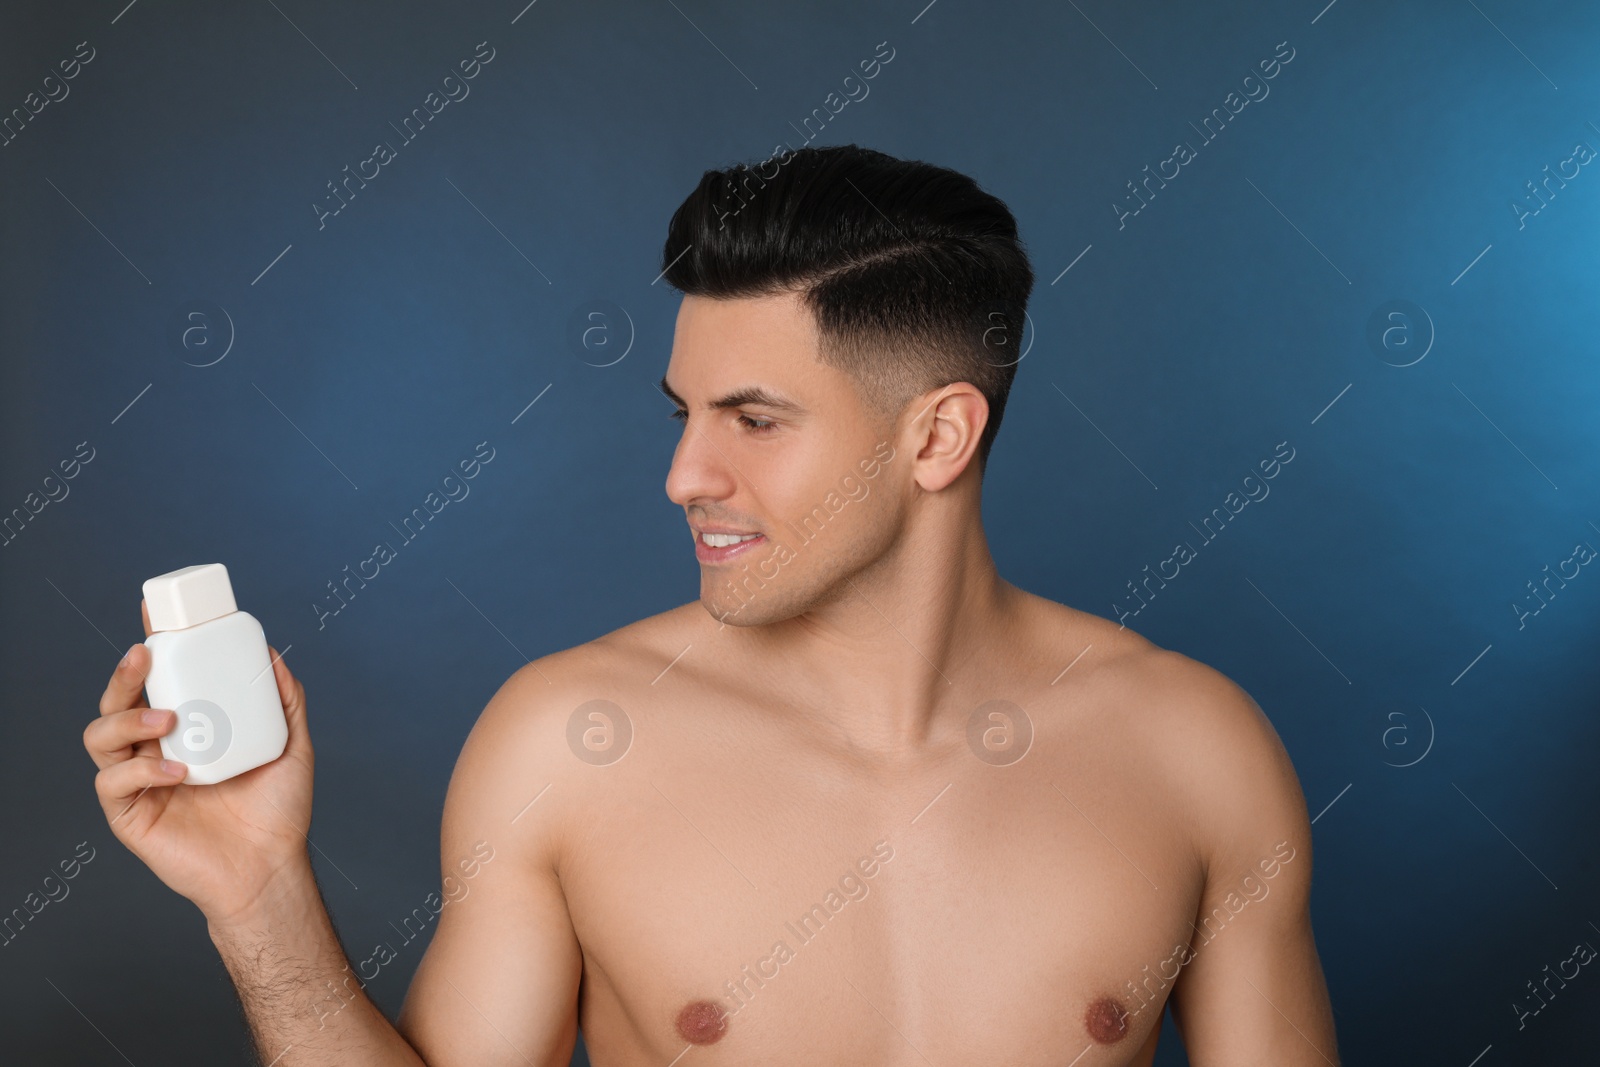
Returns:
(171, 767)
(153, 716)
(127, 654)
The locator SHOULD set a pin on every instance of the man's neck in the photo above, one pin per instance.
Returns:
(890, 663)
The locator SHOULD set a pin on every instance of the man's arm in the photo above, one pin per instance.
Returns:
(498, 983)
(498, 986)
(304, 1005)
(1253, 991)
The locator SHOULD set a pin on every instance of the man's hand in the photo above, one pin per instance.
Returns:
(237, 849)
(223, 846)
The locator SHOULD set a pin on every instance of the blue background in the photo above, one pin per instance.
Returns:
(1366, 603)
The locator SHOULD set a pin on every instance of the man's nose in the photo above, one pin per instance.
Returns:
(700, 472)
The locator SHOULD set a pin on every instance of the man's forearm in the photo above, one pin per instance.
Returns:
(305, 1006)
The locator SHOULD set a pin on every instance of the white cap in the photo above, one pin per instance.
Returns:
(189, 596)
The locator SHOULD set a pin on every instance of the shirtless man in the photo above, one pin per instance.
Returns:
(865, 802)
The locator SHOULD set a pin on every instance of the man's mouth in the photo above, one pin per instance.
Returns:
(721, 547)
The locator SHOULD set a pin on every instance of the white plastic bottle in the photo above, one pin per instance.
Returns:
(209, 663)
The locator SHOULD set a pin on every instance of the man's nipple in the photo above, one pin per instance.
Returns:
(1106, 1020)
(702, 1022)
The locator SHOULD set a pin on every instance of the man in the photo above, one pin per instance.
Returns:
(866, 802)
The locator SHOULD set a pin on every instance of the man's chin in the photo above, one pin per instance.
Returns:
(727, 614)
(742, 613)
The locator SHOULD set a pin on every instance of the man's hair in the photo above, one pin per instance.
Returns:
(916, 276)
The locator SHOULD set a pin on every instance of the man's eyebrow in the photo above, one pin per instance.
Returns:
(749, 394)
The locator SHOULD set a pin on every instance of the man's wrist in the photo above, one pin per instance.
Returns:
(287, 901)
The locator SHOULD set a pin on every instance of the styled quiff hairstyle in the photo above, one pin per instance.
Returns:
(916, 276)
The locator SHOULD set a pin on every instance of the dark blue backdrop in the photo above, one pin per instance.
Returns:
(1382, 258)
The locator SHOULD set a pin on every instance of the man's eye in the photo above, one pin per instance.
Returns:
(753, 425)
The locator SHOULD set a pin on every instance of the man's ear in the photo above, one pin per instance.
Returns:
(945, 433)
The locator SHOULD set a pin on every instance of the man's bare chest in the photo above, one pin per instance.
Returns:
(739, 906)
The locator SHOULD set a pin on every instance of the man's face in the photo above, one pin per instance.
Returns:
(791, 454)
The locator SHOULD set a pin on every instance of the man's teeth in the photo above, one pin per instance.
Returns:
(715, 540)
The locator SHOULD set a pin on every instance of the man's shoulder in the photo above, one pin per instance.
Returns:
(559, 715)
(1174, 696)
(1218, 747)
(1212, 742)
(610, 663)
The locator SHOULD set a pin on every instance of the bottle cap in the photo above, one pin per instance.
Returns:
(189, 596)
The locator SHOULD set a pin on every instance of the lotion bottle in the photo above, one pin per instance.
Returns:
(209, 663)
